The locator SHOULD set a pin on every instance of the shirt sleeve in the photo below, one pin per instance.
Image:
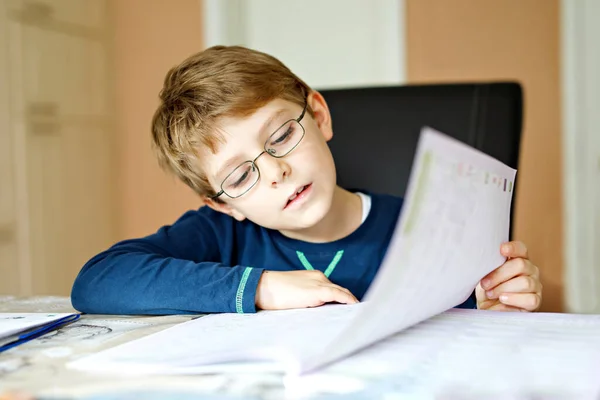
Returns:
(177, 270)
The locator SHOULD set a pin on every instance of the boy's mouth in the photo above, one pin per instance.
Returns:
(298, 196)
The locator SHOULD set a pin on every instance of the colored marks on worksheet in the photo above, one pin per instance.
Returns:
(466, 170)
(502, 183)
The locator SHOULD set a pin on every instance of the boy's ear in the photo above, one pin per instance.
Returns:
(317, 103)
(224, 208)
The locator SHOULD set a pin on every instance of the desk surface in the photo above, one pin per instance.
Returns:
(38, 367)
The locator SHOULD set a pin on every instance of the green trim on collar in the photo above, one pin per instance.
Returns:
(306, 264)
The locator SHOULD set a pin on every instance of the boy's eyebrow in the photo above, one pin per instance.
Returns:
(270, 120)
(233, 162)
(228, 167)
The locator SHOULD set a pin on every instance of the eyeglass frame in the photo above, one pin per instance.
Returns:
(253, 162)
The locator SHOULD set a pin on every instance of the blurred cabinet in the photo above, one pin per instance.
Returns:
(61, 145)
(9, 277)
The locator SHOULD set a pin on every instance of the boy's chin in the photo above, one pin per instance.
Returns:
(303, 219)
(304, 222)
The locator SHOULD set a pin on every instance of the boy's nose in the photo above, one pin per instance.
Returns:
(275, 170)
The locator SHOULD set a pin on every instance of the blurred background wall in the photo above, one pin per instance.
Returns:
(150, 37)
(462, 40)
(137, 41)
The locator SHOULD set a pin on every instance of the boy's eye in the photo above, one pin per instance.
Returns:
(288, 131)
(242, 179)
(239, 178)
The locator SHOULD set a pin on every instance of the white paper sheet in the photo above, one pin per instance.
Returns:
(14, 323)
(455, 216)
(477, 353)
(266, 341)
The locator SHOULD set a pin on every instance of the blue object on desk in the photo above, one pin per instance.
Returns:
(39, 331)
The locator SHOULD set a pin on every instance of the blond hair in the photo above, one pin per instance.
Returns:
(222, 81)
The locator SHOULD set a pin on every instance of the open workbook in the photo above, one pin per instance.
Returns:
(456, 213)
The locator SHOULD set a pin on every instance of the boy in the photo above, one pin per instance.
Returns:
(250, 138)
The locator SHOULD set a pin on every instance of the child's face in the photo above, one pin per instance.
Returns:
(309, 165)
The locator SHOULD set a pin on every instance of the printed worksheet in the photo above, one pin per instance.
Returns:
(456, 214)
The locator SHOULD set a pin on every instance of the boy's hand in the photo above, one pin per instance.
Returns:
(298, 289)
(514, 286)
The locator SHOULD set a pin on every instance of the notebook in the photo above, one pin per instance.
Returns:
(19, 328)
(456, 213)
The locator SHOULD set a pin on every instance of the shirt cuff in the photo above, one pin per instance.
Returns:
(245, 296)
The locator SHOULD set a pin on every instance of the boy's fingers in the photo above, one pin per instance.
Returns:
(524, 301)
(520, 284)
(345, 290)
(318, 275)
(508, 270)
(332, 293)
(487, 304)
(504, 307)
(514, 249)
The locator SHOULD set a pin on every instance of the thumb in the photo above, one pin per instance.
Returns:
(480, 293)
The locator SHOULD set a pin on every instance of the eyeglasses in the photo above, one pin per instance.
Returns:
(243, 178)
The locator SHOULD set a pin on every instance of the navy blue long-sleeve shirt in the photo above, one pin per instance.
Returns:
(208, 262)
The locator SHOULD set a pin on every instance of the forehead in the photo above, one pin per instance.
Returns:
(231, 127)
(240, 136)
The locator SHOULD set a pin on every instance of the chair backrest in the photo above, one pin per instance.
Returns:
(376, 130)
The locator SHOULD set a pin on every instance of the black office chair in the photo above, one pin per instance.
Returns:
(376, 130)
